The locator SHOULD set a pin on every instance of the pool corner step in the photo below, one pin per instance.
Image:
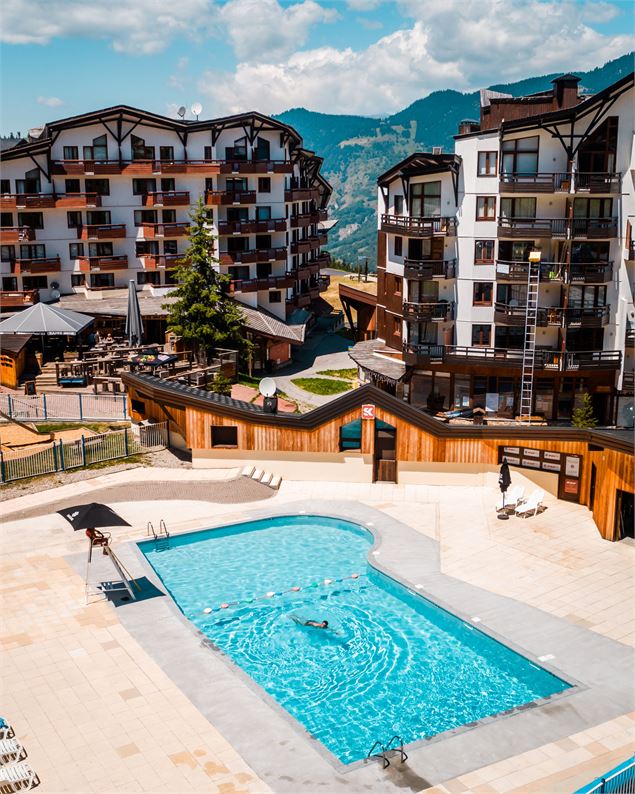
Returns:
(273, 481)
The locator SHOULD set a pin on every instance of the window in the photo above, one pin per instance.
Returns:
(263, 242)
(137, 406)
(398, 205)
(102, 280)
(149, 277)
(398, 246)
(209, 183)
(170, 247)
(396, 285)
(237, 244)
(520, 156)
(35, 282)
(515, 250)
(72, 186)
(275, 296)
(139, 149)
(34, 220)
(351, 436)
(166, 153)
(207, 153)
(263, 149)
(518, 208)
(31, 182)
(238, 272)
(168, 216)
(592, 208)
(487, 163)
(224, 436)
(481, 334)
(78, 280)
(263, 269)
(98, 151)
(170, 277)
(100, 249)
(511, 294)
(238, 151)
(75, 250)
(71, 153)
(144, 216)
(5, 186)
(141, 187)
(237, 184)
(6, 219)
(35, 251)
(99, 186)
(262, 213)
(7, 253)
(485, 208)
(425, 200)
(483, 252)
(74, 219)
(146, 248)
(98, 217)
(482, 295)
(168, 184)
(9, 283)
(264, 184)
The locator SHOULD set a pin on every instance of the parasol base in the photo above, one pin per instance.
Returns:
(503, 516)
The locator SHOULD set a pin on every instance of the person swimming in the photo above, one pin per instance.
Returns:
(322, 624)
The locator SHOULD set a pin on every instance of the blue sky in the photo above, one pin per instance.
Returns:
(62, 57)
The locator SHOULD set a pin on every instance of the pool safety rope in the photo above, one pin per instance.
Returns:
(272, 594)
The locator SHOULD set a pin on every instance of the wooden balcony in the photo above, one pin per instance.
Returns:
(154, 231)
(557, 228)
(492, 357)
(36, 267)
(30, 201)
(418, 227)
(302, 300)
(161, 262)
(256, 284)
(252, 226)
(256, 167)
(16, 234)
(323, 259)
(586, 182)
(301, 247)
(439, 312)
(18, 300)
(105, 231)
(89, 167)
(216, 198)
(167, 198)
(136, 167)
(572, 316)
(429, 269)
(253, 255)
(306, 271)
(96, 264)
(578, 273)
(77, 201)
(302, 220)
(534, 183)
(297, 193)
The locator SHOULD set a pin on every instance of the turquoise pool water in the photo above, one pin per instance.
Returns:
(393, 663)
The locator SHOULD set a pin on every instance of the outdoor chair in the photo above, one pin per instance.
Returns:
(10, 750)
(532, 505)
(20, 776)
(6, 731)
(511, 499)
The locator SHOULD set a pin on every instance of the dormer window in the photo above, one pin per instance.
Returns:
(98, 151)
(139, 149)
(263, 149)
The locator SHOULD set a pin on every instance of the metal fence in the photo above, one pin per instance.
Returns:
(62, 456)
(620, 780)
(57, 405)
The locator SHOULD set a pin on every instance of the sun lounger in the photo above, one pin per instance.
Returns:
(512, 498)
(532, 505)
(10, 750)
(18, 776)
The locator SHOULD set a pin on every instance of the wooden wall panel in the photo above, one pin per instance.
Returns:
(614, 471)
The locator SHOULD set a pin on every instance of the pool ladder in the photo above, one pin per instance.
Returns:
(161, 538)
(395, 745)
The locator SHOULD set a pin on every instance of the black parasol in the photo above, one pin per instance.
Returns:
(91, 516)
(504, 481)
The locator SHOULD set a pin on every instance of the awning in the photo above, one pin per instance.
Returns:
(45, 319)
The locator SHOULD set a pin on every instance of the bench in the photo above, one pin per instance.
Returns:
(70, 381)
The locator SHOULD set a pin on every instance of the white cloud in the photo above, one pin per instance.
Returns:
(362, 5)
(50, 101)
(263, 29)
(142, 27)
(461, 44)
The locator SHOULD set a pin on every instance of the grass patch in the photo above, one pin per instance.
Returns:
(347, 374)
(321, 385)
(97, 427)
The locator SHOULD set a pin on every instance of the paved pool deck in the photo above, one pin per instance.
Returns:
(109, 698)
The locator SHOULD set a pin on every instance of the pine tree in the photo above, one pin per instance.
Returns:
(203, 314)
(583, 416)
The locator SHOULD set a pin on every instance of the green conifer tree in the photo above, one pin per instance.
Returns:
(583, 416)
(204, 314)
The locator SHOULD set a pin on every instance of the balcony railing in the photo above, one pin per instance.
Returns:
(630, 251)
(87, 166)
(418, 227)
(48, 264)
(252, 226)
(253, 255)
(579, 272)
(167, 198)
(559, 228)
(428, 269)
(152, 231)
(256, 167)
(98, 263)
(255, 284)
(9, 201)
(162, 262)
(302, 220)
(306, 271)
(16, 234)
(545, 359)
(534, 182)
(103, 231)
(324, 259)
(585, 316)
(600, 182)
(441, 311)
(224, 197)
(17, 299)
(299, 192)
(77, 200)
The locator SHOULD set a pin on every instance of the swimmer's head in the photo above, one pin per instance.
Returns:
(325, 623)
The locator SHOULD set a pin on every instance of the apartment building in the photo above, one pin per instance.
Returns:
(550, 173)
(101, 198)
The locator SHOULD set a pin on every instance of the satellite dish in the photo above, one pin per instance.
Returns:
(196, 108)
(181, 111)
(56, 294)
(267, 387)
(55, 285)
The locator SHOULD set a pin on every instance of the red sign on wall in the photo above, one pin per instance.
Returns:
(368, 411)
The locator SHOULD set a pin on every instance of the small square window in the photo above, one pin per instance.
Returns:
(487, 162)
(398, 246)
(483, 252)
(138, 406)
(72, 186)
(264, 184)
(275, 296)
(482, 293)
(481, 335)
(6, 219)
(75, 250)
(485, 208)
(74, 219)
(78, 279)
(71, 153)
(224, 436)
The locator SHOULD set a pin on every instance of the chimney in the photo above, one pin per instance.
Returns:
(565, 90)
(468, 125)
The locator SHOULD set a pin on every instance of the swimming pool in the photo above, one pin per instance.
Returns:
(391, 661)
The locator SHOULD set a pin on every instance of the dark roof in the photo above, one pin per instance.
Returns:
(567, 78)
(169, 392)
(368, 356)
(12, 344)
(421, 163)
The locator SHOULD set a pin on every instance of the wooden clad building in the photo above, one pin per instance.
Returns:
(381, 438)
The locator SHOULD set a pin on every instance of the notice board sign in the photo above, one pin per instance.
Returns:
(567, 467)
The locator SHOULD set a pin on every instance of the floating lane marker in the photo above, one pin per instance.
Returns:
(207, 610)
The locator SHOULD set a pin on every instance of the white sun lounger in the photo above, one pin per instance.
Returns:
(10, 749)
(532, 505)
(19, 776)
(512, 498)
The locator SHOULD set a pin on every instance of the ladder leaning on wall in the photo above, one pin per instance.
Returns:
(529, 347)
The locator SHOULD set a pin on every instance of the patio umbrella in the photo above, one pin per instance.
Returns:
(504, 481)
(134, 323)
(42, 318)
(92, 515)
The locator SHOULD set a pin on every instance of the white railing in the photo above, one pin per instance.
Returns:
(57, 405)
